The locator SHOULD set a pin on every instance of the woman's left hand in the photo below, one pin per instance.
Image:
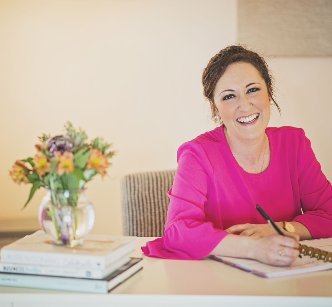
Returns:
(252, 230)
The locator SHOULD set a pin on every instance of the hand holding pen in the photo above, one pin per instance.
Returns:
(281, 252)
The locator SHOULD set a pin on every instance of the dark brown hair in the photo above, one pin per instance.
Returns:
(219, 63)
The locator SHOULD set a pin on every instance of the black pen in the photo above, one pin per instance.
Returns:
(270, 221)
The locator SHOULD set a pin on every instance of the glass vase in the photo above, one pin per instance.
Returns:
(67, 216)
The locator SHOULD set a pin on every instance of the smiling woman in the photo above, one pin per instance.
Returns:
(243, 104)
(224, 173)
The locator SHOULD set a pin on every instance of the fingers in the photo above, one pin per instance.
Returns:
(277, 250)
(293, 235)
(287, 246)
(253, 230)
(236, 229)
(248, 232)
(286, 256)
(289, 241)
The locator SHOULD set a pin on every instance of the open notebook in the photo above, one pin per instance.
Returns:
(316, 256)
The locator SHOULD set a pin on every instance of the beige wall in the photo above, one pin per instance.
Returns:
(292, 28)
(303, 89)
(128, 71)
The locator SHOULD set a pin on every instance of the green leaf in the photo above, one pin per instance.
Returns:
(100, 144)
(29, 160)
(55, 183)
(76, 136)
(46, 153)
(33, 190)
(70, 181)
(81, 157)
(33, 177)
(44, 137)
(79, 174)
(46, 180)
(54, 164)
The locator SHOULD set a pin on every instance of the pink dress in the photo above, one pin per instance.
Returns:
(211, 192)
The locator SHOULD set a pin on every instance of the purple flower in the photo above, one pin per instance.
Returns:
(64, 238)
(59, 143)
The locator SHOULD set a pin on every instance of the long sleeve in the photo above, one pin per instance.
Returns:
(189, 231)
(315, 193)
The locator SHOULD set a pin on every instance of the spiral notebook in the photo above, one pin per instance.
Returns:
(316, 256)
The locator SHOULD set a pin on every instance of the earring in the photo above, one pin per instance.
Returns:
(217, 119)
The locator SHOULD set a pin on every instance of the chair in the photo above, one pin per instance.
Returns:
(144, 202)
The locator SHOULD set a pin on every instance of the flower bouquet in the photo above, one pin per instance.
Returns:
(63, 165)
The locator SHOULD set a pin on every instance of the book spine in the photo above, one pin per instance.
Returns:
(73, 284)
(54, 283)
(61, 271)
(124, 276)
(67, 260)
(50, 259)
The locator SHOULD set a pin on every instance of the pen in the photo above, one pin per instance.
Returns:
(270, 221)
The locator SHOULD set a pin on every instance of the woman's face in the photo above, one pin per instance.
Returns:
(243, 102)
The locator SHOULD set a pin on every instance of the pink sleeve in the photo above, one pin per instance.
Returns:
(315, 193)
(188, 233)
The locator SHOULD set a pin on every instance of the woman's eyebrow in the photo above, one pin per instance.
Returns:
(252, 83)
(228, 90)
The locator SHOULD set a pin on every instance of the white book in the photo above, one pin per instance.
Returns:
(302, 265)
(97, 252)
(39, 269)
(73, 284)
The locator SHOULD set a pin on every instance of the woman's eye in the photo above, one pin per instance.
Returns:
(228, 97)
(253, 90)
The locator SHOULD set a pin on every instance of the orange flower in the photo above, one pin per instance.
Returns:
(40, 147)
(98, 162)
(65, 162)
(19, 173)
(42, 166)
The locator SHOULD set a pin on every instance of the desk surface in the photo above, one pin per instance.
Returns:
(178, 283)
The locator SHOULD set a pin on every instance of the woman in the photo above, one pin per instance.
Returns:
(224, 173)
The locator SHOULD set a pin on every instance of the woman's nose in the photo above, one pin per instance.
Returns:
(245, 103)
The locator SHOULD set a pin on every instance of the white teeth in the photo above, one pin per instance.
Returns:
(248, 119)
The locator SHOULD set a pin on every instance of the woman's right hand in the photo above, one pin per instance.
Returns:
(272, 249)
(275, 250)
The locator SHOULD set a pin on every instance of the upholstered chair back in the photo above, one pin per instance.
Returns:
(145, 202)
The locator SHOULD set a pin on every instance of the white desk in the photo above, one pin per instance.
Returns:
(188, 283)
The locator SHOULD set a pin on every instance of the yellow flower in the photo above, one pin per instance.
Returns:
(65, 162)
(19, 173)
(98, 162)
(42, 166)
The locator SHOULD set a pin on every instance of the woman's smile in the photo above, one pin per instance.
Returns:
(248, 120)
(243, 103)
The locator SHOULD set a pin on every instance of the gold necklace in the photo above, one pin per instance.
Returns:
(262, 157)
(265, 149)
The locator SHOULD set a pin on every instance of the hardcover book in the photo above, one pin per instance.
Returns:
(73, 284)
(64, 271)
(97, 252)
(310, 262)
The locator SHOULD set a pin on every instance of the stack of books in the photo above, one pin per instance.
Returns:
(97, 266)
